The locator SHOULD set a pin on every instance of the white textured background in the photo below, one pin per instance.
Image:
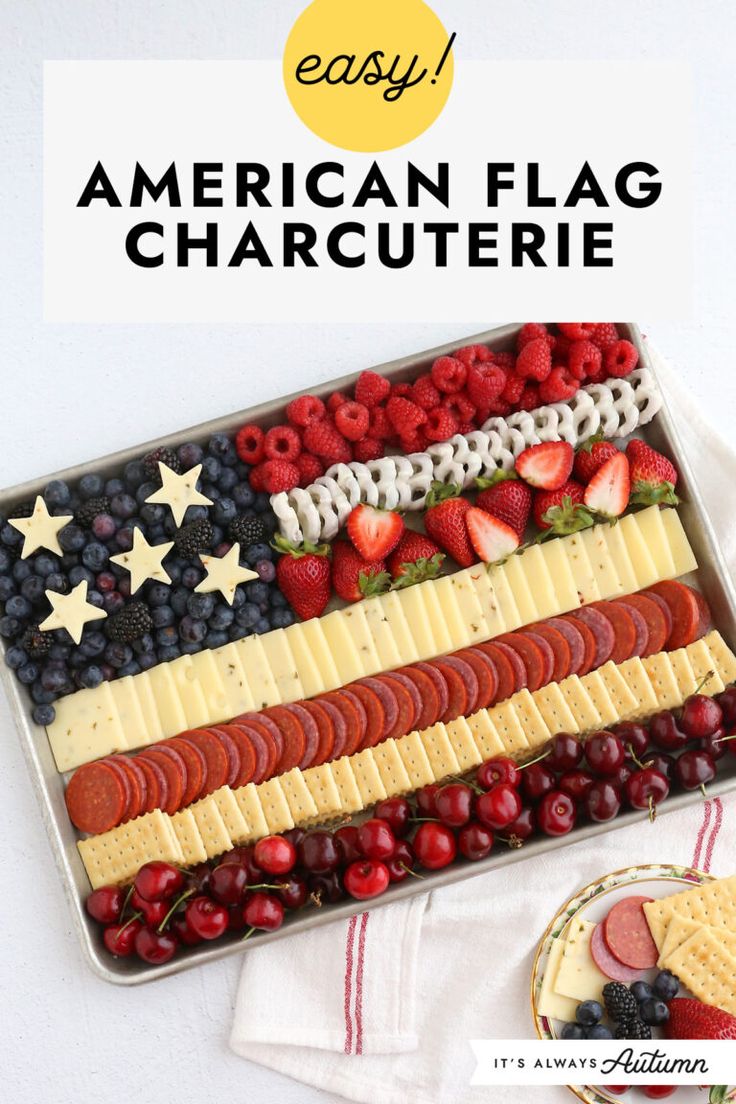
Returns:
(68, 393)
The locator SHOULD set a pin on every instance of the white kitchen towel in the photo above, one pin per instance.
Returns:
(381, 1008)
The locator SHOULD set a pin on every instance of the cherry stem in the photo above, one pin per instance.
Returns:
(633, 755)
(174, 907)
(539, 758)
(652, 809)
(725, 739)
(467, 782)
(248, 934)
(702, 789)
(514, 842)
(413, 873)
(706, 678)
(424, 820)
(126, 902)
(269, 885)
(135, 916)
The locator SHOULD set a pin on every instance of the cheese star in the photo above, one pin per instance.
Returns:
(224, 573)
(71, 611)
(179, 491)
(144, 561)
(40, 529)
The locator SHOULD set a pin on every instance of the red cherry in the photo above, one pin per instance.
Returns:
(242, 856)
(198, 878)
(633, 736)
(401, 862)
(727, 702)
(228, 883)
(474, 841)
(694, 769)
(605, 752)
(665, 733)
(375, 839)
(293, 893)
(523, 827)
(366, 878)
(665, 764)
(658, 1092)
(294, 835)
(326, 888)
(700, 717)
(183, 932)
(537, 780)
(434, 845)
(498, 771)
(205, 917)
(602, 801)
(155, 947)
(454, 804)
(275, 854)
(498, 807)
(105, 904)
(319, 853)
(715, 745)
(263, 911)
(576, 783)
(120, 938)
(565, 753)
(235, 921)
(556, 813)
(397, 812)
(157, 881)
(153, 911)
(346, 839)
(426, 799)
(646, 788)
(620, 777)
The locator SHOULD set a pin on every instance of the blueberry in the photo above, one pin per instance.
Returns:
(222, 447)
(21, 570)
(238, 598)
(243, 496)
(258, 552)
(210, 469)
(191, 647)
(10, 536)
(190, 455)
(666, 986)
(5, 560)
(162, 616)
(654, 1012)
(45, 565)
(222, 617)
(93, 643)
(158, 594)
(262, 626)
(224, 511)
(7, 587)
(92, 485)
(212, 491)
(262, 503)
(228, 479)
(215, 639)
(58, 582)
(572, 1031)
(167, 637)
(257, 592)
(242, 469)
(588, 1013)
(54, 679)
(77, 661)
(153, 514)
(104, 527)
(174, 569)
(145, 491)
(641, 990)
(191, 630)
(201, 606)
(134, 474)
(18, 606)
(41, 696)
(57, 493)
(123, 505)
(266, 571)
(143, 644)
(9, 627)
(282, 618)
(124, 537)
(599, 1031)
(278, 601)
(81, 574)
(16, 657)
(270, 524)
(112, 602)
(91, 677)
(28, 673)
(95, 556)
(118, 654)
(44, 715)
(114, 487)
(191, 576)
(146, 660)
(237, 632)
(132, 668)
(72, 538)
(179, 599)
(248, 615)
(218, 535)
(168, 653)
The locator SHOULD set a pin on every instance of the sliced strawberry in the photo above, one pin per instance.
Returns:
(691, 1019)
(492, 538)
(445, 522)
(653, 476)
(591, 455)
(546, 466)
(507, 498)
(607, 493)
(374, 532)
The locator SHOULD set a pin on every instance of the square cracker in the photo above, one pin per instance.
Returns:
(212, 828)
(301, 804)
(391, 768)
(463, 744)
(662, 677)
(679, 928)
(415, 759)
(190, 841)
(705, 668)
(724, 659)
(635, 681)
(581, 704)
(231, 813)
(252, 810)
(508, 726)
(598, 692)
(704, 965)
(712, 904)
(555, 709)
(367, 777)
(683, 671)
(321, 784)
(115, 857)
(530, 718)
(347, 787)
(442, 758)
(486, 737)
(275, 806)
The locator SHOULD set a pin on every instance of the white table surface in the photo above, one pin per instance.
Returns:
(70, 393)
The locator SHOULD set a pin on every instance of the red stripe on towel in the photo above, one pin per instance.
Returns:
(714, 834)
(349, 942)
(701, 836)
(359, 984)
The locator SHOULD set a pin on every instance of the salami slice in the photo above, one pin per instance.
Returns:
(589, 643)
(137, 784)
(568, 628)
(654, 619)
(356, 721)
(263, 749)
(295, 742)
(155, 784)
(215, 757)
(485, 672)
(389, 707)
(339, 727)
(505, 673)
(408, 700)
(456, 688)
(195, 768)
(96, 798)
(605, 961)
(545, 650)
(273, 734)
(653, 596)
(174, 782)
(602, 631)
(439, 684)
(641, 642)
(627, 934)
(173, 754)
(624, 630)
(311, 734)
(469, 679)
(374, 711)
(684, 609)
(559, 647)
(518, 667)
(429, 695)
(231, 750)
(325, 730)
(246, 754)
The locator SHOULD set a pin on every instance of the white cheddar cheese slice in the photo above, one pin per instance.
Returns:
(86, 727)
(487, 739)
(684, 674)
(168, 701)
(359, 630)
(466, 750)
(530, 718)
(320, 782)
(128, 706)
(280, 659)
(662, 677)
(581, 704)
(474, 625)
(555, 710)
(393, 612)
(342, 647)
(306, 664)
(383, 638)
(582, 569)
(606, 576)
(506, 721)
(275, 806)
(540, 582)
(489, 600)
(302, 805)
(257, 671)
(213, 686)
(654, 536)
(191, 696)
(147, 701)
(550, 1003)
(519, 584)
(682, 553)
(504, 598)
(316, 642)
(704, 668)
(444, 617)
(442, 758)
(578, 977)
(238, 696)
(414, 757)
(558, 565)
(640, 556)
(391, 768)
(347, 787)
(252, 810)
(598, 691)
(723, 657)
(620, 558)
(368, 778)
(415, 610)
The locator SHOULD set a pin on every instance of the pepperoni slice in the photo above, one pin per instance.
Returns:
(174, 782)
(217, 764)
(325, 730)
(176, 759)
(155, 784)
(246, 754)
(470, 681)
(411, 687)
(263, 749)
(389, 705)
(458, 690)
(137, 780)
(374, 711)
(505, 672)
(485, 672)
(96, 798)
(664, 608)
(602, 631)
(439, 684)
(355, 717)
(624, 630)
(429, 695)
(558, 646)
(530, 654)
(705, 623)
(570, 631)
(684, 609)
(195, 767)
(339, 725)
(114, 762)
(605, 961)
(654, 619)
(407, 709)
(627, 934)
(273, 734)
(640, 628)
(231, 750)
(311, 734)
(295, 741)
(545, 648)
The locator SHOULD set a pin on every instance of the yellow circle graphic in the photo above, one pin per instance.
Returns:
(368, 75)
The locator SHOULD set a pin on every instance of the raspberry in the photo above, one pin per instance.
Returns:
(441, 424)
(368, 449)
(379, 425)
(282, 443)
(530, 331)
(500, 408)
(425, 394)
(310, 468)
(561, 347)
(513, 389)
(584, 360)
(279, 475)
(323, 439)
(256, 478)
(485, 383)
(535, 360)
(620, 359)
(474, 354)
(371, 389)
(401, 391)
(507, 361)
(577, 331)
(404, 415)
(558, 387)
(460, 406)
(415, 440)
(466, 427)
(249, 444)
(352, 420)
(336, 400)
(449, 374)
(604, 334)
(305, 410)
(530, 397)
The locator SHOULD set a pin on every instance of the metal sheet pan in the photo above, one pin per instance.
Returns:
(712, 578)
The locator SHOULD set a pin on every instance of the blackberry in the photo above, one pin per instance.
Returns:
(132, 622)
(195, 537)
(22, 510)
(167, 456)
(633, 1029)
(621, 1004)
(246, 530)
(35, 642)
(88, 511)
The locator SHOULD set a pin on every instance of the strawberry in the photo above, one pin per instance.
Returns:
(653, 477)
(691, 1019)
(445, 522)
(353, 577)
(546, 466)
(562, 511)
(608, 491)
(492, 538)
(505, 497)
(374, 532)
(590, 456)
(414, 559)
(303, 576)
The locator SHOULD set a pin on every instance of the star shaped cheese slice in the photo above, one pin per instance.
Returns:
(40, 529)
(179, 491)
(144, 561)
(71, 611)
(224, 573)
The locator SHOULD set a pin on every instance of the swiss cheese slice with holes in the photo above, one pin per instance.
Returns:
(391, 768)
(682, 553)
(87, 726)
(490, 602)
(128, 705)
(442, 758)
(235, 822)
(582, 569)
(704, 668)
(347, 786)
(115, 857)
(444, 619)
(191, 695)
(662, 677)
(625, 688)
(275, 806)
(212, 827)
(321, 784)
(508, 726)
(302, 805)
(463, 744)
(581, 704)
(415, 759)
(357, 626)
(555, 710)
(723, 657)
(550, 1003)
(307, 667)
(487, 739)
(598, 691)
(530, 718)
(168, 702)
(516, 575)
(504, 598)
(252, 810)
(368, 778)
(190, 841)
(282, 664)
(257, 671)
(238, 696)
(380, 630)
(607, 580)
(213, 687)
(560, 571)
(539, 579)
(683, 672)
